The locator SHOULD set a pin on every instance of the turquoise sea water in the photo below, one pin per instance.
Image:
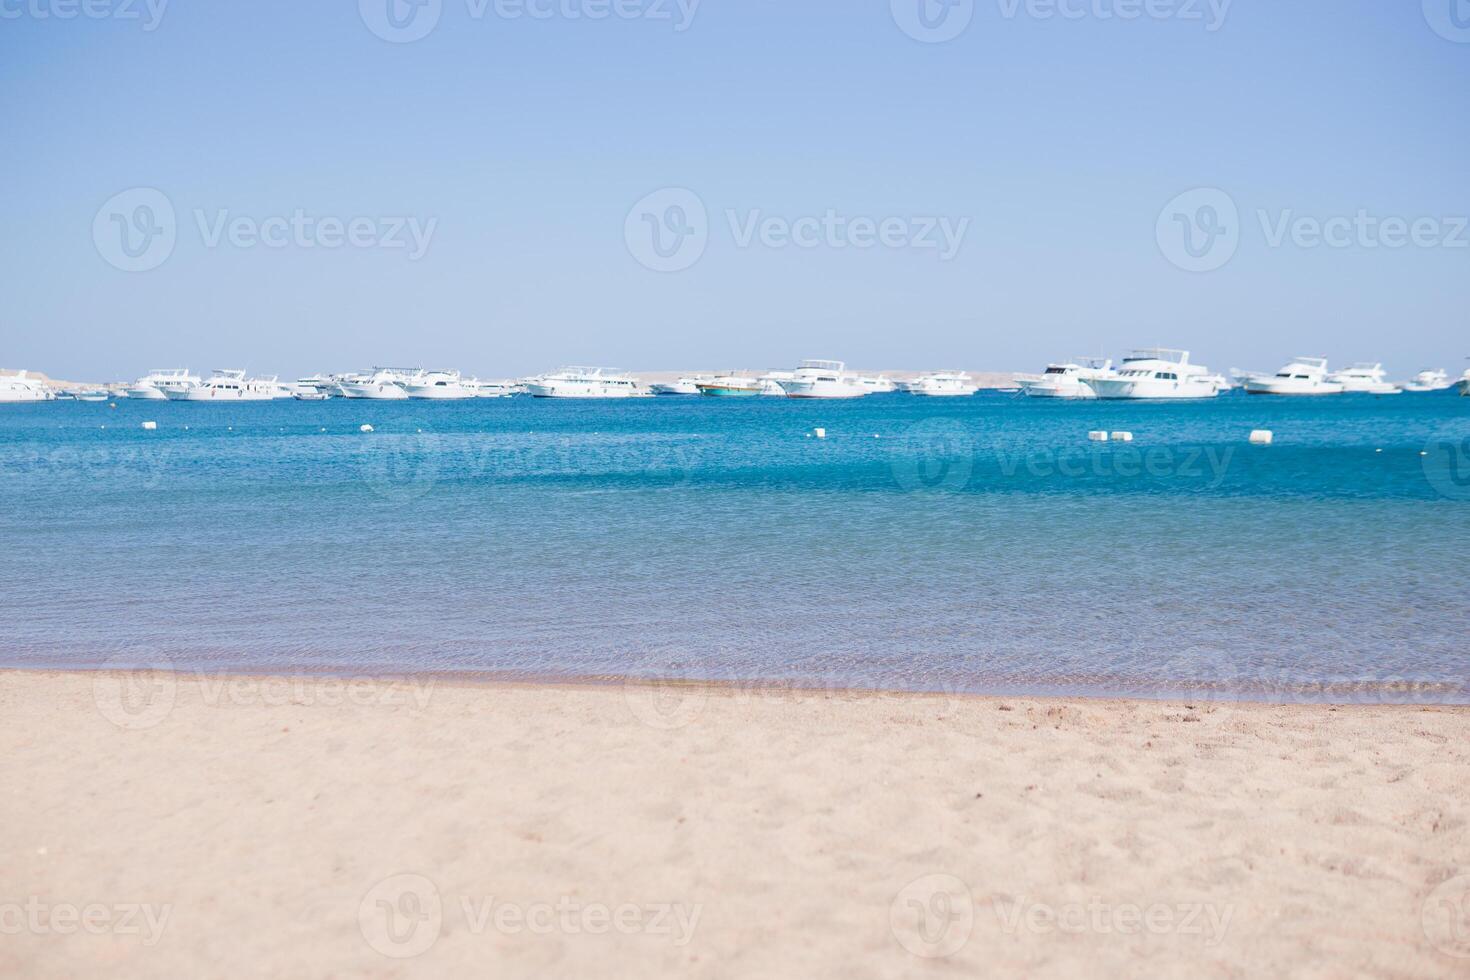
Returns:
(940, 544)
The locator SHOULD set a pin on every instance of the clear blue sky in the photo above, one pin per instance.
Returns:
(528, 141)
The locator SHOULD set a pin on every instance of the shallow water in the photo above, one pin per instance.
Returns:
(977, 544)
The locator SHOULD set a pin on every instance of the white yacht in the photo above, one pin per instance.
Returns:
(585, 382)
(226, 385)
(1068, 379)
(155, 385)
(1303, 376)
(492, 389)
(20, 387)
(771, 383)
(729, 386)
(684, 386)
(823, 379)
(440, 385)
(942, 384)
(1157, 372)
(1364, 378)
(881, 385)
(1434, 380)
(384, 384)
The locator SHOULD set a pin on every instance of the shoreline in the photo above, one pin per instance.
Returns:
(325, 826)
(1331, 693)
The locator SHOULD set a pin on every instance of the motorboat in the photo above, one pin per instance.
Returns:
(1303, 376)
(21, 387)
(771, 383)
(729, 386)
(155, 385)
(684, 386)
(226, 384)
(880, 385)
(438, 385)
(384, 384)
(1157, 372)
(1067, 379)
(942, 384)
(823, 379)
(1432, 380)
(492, 389)
(585, 382)
(90, 394)
(1364, 378)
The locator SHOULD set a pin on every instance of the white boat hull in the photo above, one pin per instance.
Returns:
(1290, 386)
(438, 392)
(578, 389)
(204, 393)
(1151, 388)
(822, 389)
(1042, 389)
(374, 392)
(148, 393)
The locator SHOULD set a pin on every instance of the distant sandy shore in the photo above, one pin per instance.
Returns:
(179, 825)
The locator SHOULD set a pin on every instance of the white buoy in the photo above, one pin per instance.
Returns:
(150, 426)
(1097, 435)
(364, 428)
(1122, 437)
(820, 433)
(1261, 437)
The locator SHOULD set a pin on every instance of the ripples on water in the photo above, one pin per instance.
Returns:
(976, 544)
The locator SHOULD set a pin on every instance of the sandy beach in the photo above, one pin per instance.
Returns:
(174, 825)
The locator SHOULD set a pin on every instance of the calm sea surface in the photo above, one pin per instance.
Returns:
(939, 544)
